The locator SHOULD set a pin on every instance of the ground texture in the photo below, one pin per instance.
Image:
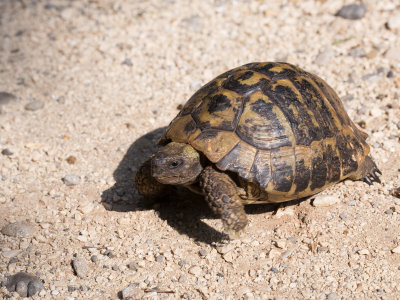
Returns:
(93, 84)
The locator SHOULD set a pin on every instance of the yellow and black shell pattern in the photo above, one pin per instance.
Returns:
(274, 124)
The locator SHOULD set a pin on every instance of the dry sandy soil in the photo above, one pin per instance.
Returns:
(95, 82)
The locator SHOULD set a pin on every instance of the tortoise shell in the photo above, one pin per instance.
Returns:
(275, 125)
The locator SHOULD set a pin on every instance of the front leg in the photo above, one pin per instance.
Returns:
(147, 185)
(221, 194)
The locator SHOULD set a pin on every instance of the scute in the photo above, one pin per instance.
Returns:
(274, 124)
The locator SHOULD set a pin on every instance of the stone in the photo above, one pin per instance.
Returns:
(195, 270)
(132, 291)
(393, 53)
(160, 258)
(19, 229)
(11, 253)
(352, 11)
(34, 105)
(363, 252)
(6, 152)
(80, 266)
(6, 98)
(127, 62)
(26, 285)
(71, 179)
(332, 296)
(394, 22)
(396, 250)
(203, 253)
(325, 200)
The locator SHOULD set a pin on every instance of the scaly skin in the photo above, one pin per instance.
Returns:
(221, 194)
(147, 185)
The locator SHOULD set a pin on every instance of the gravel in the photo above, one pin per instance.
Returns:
(352, 11)
(109, 116)
(325, 200)
(71, 179)
(6, 98)
(19, 229)
(80, 266)
(396, 250)
(7, 152)
(195, 270)
(34, 105)
(394, 22)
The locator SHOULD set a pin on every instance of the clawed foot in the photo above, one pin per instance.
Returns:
(372, 176)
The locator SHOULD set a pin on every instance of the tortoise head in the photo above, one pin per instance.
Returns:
(176, 163)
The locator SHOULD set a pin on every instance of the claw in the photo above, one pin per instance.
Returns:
(378, 171)
(375, 177)
(367, 180)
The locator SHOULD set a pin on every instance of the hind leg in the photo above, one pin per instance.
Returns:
(367, 172)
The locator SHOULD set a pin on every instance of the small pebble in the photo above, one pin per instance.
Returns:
(71, 159)
(348, 97)
(373, 77)
(6, 152)
(351, 203)
(94, 258)
(363, 252)
(34, 105)
(389, 212)
(133, 266)
(393, 53)
(80, 266)
(390, 74)
(127, 62)
(132, 292)
(274, 270)
(195, 270)
(325, 200)
(396, 250)
(393, 22)
(181, 279)
(71, 179)
(181, 263)
(11, 253)
(343, 216)
(6, 98)
(19, 229)
(332, 296)
(286, 254)
(110, 253)
(357, 52)
(160, 258)
(203, 252)
(352, 11)
(115, 268)
(13, 260)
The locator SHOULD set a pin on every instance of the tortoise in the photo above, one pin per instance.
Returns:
(264, 132)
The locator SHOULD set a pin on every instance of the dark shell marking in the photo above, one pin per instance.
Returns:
(274, 124)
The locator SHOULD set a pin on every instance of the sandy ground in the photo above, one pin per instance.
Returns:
(110, 75)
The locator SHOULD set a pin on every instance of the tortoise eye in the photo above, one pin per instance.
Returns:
(175, 163)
